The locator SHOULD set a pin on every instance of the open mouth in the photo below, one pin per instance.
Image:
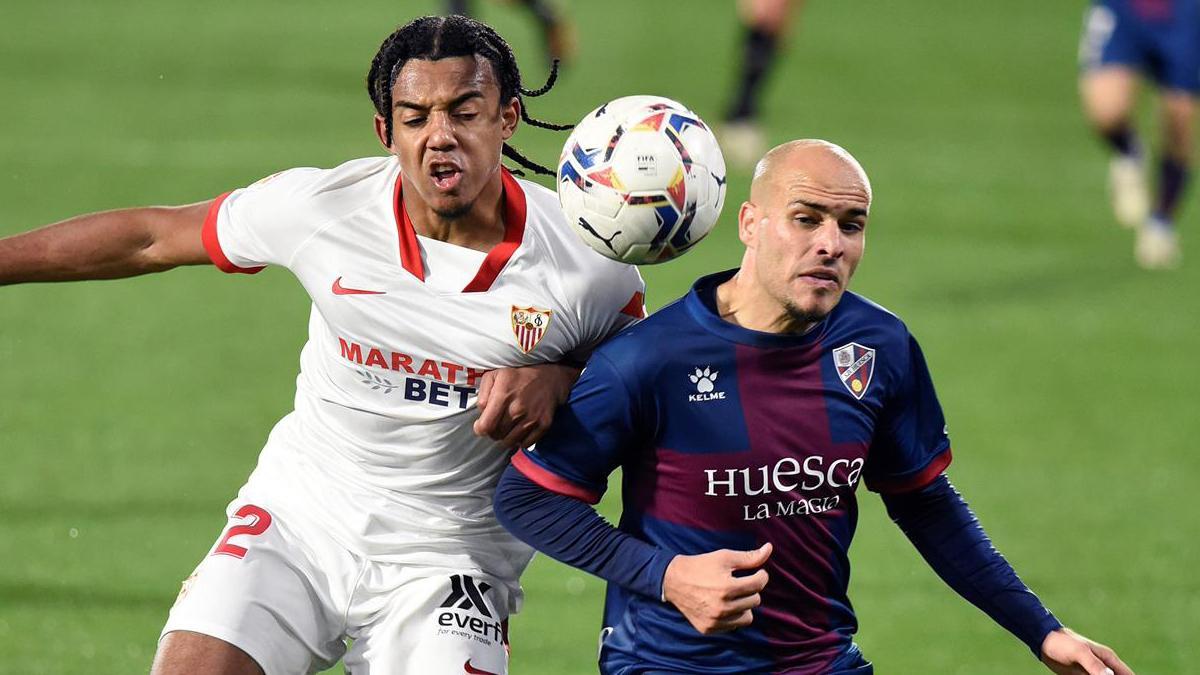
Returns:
(445, 176)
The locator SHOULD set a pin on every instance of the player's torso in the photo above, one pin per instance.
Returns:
(385, 341)
(758, 443)
(380, 447)
(755, 440)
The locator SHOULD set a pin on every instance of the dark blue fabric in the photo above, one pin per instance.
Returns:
(727, 438)
(1160, 40)
(948, 535)
(571, 531)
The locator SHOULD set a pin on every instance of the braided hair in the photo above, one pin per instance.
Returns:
(436, 37)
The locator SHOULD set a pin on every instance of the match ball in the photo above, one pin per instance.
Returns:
(641, 179)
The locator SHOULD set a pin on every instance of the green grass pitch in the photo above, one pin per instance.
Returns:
(131, 411)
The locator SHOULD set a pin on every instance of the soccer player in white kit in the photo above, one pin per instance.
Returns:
(435, 275)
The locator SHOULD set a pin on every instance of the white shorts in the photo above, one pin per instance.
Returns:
(292, 602)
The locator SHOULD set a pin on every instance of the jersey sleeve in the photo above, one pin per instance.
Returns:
(259, 225)
(616, 303)
(910, 448)
(589, 436)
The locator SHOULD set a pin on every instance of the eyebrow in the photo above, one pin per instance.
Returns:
(453, 104)
(825, 209)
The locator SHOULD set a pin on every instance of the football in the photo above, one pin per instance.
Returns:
(641, 179)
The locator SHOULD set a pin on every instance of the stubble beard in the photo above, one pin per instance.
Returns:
(804, 316)
(453, 213)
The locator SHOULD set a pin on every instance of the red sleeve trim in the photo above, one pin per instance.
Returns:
(636, 307)
(514, 231)
(212, 245)
(552, 481)
(918, 480)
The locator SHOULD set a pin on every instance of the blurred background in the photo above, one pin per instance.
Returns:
(131, 411)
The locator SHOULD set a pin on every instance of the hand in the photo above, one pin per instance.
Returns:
(516, 405)
(1068, 653)
(704, 589)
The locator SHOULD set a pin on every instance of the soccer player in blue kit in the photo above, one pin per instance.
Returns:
(1124, 40)
(744, 416)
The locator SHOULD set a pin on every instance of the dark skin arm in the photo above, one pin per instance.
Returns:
(517, 403)
(107, 245)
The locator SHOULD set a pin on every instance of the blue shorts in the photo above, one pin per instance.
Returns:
(1164, 46)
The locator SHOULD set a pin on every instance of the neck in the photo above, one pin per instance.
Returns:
(743, 303)
(479, 228)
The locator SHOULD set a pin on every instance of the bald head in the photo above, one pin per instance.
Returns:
(807, 160)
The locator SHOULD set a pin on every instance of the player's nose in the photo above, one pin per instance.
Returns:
(828, 239)
(441, 132)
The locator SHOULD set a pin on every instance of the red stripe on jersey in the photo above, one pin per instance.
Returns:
(497, 258)
(212, 245)
(636, 307)
(935, 467)
(410, 251)
(552, 481)
(514, 231)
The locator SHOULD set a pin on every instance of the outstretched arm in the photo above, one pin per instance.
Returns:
(950, 538)
(107, 245)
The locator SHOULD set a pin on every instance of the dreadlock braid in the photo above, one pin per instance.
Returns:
(434, 38)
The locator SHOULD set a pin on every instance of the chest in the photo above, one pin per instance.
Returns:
(364, 296)
(765, 406)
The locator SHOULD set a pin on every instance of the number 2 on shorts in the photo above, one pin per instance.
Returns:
(262, 520)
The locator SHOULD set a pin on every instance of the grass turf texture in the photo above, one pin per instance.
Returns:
(131, 411)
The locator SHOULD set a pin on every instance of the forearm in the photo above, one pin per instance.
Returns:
(571, 532)
(950, 538)
(107, 245)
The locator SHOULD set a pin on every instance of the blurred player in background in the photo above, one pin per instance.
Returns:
(742, 446)
(558, 36)
(764, 22)
(434, 275)
(1123, 42)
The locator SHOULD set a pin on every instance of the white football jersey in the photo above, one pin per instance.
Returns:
(379, 451)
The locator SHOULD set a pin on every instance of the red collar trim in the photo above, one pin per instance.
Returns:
(497, 258)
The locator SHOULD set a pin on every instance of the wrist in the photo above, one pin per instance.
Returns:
(670, 560)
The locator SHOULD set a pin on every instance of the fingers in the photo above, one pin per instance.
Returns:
(515, 410)
(524, 432)
(1093, 665)
(742, 586)
(1115, 665)
(489, 415)
(485, 388)
(748, 560)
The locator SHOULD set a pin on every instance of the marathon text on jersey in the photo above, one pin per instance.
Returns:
(437, 382)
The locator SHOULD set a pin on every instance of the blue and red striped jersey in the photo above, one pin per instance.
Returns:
(730, 438)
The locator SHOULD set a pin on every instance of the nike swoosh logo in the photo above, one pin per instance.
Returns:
(339, 289)
(476, 671)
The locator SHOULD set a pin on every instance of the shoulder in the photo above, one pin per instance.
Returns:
(638, 351)
(859, 319)
(863, 310)
(346, 185)
(582, 272)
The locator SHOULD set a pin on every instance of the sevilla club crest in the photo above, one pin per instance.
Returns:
(855, 365)
(529, 324)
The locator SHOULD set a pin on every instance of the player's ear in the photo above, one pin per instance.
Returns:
(381, 131)
(510, 115)
(748, 224)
